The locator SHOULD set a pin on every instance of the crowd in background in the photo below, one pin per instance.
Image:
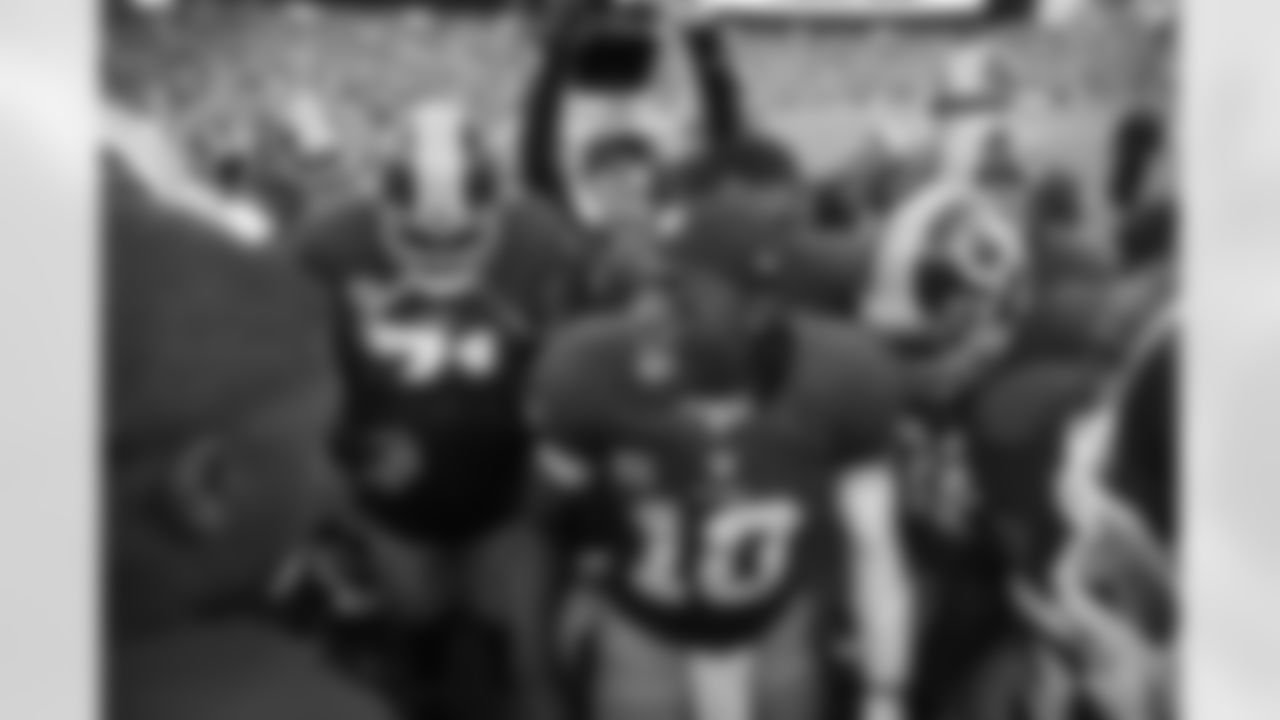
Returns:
(224, 78)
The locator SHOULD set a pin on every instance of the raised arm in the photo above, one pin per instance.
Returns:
(723, 107)
(543, 112)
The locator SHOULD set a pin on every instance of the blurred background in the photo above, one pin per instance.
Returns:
(829, 77)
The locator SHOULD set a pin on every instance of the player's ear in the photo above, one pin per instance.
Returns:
(206, 479)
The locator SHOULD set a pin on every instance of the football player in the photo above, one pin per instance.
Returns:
(711, 471)
(948, 286)
(1114, 588)
(1070, 475)
(1081, 318)
(222, 391)
(953, 252)
(948, 279)
(444, 291)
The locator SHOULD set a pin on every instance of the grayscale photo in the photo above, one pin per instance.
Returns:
(639, 359)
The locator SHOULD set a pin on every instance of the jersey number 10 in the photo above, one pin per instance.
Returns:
(742, 552)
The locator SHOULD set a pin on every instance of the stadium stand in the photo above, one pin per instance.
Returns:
(225, 67)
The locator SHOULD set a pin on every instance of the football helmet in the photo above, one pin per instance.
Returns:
(441, 199)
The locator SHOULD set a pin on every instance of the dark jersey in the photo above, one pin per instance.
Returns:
(448, 373)
(1016, 426)
(1147, 458)
(231, 671)
(709, 515)
(1028, 438)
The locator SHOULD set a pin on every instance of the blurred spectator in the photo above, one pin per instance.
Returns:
(1056, 226)
(620, 183)
(1069, 278)
(221, 393)
(600, 67)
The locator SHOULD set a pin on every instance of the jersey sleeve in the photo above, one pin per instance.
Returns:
(566, 399)
(562, 411)
(866, 411)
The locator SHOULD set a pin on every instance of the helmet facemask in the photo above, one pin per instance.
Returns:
(441, 211)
